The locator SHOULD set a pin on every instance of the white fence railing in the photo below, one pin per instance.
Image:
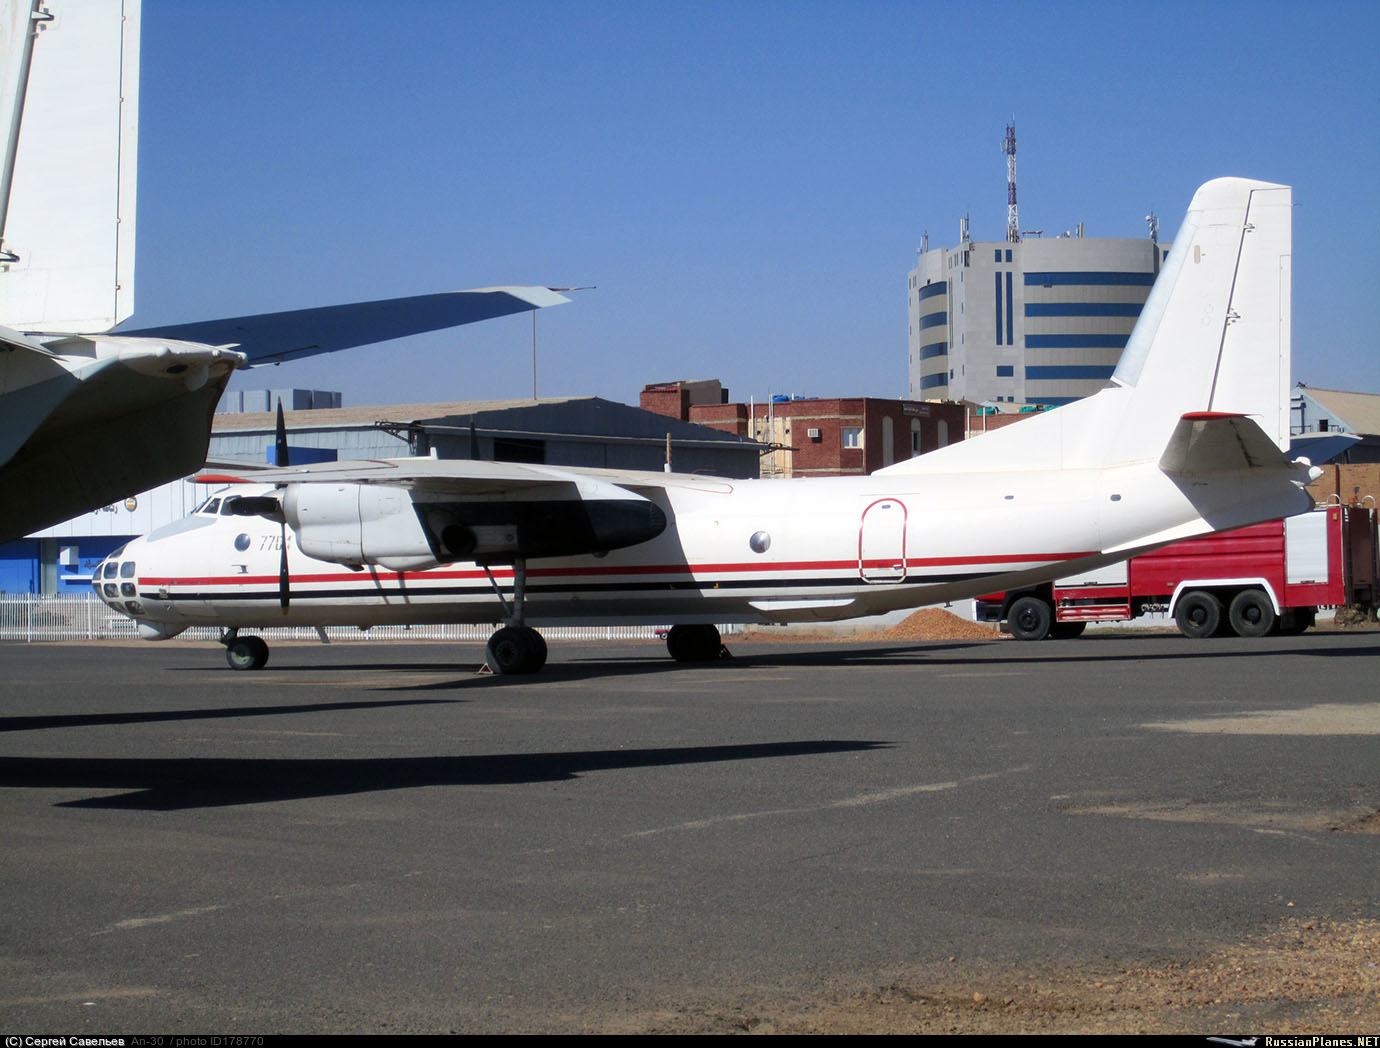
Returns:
(27, 617)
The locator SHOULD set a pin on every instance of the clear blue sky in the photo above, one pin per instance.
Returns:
(745, 182)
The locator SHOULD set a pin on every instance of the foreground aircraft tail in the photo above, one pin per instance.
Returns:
(1202, 385)
(87, 416)
(70, 94)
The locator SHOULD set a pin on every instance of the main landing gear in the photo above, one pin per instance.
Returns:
(699, 643)
(514, 648)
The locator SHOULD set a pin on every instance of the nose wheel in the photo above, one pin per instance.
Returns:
(245, 653)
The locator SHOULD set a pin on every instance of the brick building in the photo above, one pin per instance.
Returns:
(816, 436)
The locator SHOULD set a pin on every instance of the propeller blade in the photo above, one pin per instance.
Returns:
(280, 455)
(280, 444)
(284, 585)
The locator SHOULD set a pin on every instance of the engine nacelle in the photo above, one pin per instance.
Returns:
(358, 524)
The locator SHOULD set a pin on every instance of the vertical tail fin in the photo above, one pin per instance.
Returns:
(1213, 337)
(1214, 333)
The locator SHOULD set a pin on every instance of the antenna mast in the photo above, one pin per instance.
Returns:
(1013, 225)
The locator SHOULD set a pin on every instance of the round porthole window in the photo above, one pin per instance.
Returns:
(241, 542)
(760, 542)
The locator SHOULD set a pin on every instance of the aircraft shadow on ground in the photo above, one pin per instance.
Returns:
(594, 667)
(170, 784)
(84, 720)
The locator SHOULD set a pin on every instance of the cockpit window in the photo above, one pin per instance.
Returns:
(127, 570)
(225, 506)
(109, 569)
(210, 506)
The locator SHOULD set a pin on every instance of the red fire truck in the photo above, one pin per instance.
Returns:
(1267, 578)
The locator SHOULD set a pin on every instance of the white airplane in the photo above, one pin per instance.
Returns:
(1187, 441)
(89, 414)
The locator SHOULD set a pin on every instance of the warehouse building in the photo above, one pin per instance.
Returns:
(1321, 411)
(566, 431)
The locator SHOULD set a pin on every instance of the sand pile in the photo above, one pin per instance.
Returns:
(925, 624)
(936, 624)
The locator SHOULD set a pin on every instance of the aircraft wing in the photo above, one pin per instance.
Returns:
(459, 477)
(270, 338)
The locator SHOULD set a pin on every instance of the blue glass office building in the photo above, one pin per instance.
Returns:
(1040, 321)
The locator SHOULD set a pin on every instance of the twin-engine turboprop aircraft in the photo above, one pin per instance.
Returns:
(89, 415)
(1187, 441)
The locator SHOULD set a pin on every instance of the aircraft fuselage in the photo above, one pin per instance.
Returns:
(732, 551)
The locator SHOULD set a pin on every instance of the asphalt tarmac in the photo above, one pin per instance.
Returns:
(374, 838)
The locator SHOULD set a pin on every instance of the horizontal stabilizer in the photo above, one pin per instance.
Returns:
(1219, 442)
(271, 338)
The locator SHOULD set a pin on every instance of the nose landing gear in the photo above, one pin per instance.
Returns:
(244, 653)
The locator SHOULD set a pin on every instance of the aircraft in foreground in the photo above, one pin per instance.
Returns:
(89, 414)
(1187, 441)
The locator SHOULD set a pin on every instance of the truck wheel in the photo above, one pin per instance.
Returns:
(1297, 620)
(1199, 614)
(1251, 614)
(1030, 618)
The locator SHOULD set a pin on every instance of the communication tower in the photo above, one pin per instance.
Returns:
(1013, 225)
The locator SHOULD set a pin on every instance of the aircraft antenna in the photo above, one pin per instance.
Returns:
(1008, 146)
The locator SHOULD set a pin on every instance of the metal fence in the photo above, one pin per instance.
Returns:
(26, 617)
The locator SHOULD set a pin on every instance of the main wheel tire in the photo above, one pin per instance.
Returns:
(698, 643)
(1030, 618)
(247, 653)
(539, 650)
(1251, 614)
(515, 649)
(1067, 630)
(1199, 614)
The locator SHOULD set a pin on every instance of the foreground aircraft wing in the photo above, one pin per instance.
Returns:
(271, 338)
